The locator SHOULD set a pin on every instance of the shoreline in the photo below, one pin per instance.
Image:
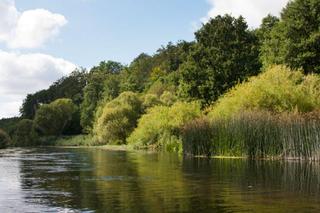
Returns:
(128, 148)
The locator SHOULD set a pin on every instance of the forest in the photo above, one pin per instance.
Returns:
(233, 91)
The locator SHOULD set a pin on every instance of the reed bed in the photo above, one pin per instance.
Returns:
(255, 135)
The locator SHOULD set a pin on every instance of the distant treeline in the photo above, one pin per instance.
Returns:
(154, 101)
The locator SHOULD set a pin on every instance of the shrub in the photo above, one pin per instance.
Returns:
(78, 140)
(118, 119)
(279, 89)
(168, 98)
(4, 139)
(160, 127)
(150, 100)
(25, 134)
(54, 118)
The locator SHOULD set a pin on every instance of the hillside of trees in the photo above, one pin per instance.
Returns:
(193, 97)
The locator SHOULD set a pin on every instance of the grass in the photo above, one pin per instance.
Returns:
(256, 135)
(79, 140)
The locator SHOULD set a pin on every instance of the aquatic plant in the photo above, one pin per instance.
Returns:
(257, 134)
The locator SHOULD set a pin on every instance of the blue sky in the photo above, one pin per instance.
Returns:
(43, 40)
(118, 29)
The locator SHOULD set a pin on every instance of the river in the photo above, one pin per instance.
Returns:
(97, 180)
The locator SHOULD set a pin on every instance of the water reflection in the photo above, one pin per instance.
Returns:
(97, 180)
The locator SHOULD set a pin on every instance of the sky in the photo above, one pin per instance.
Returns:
(43, 40)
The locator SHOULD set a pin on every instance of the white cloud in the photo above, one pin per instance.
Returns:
(28, 29)
(21, 74)
(253, 10)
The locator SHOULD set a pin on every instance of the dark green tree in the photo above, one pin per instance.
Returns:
(295, 40)
(25, 135)
(54, 118)
(267, 25)
(67, 87)
(102, 82)
(226, 53)
(135, 77)
(4, 139)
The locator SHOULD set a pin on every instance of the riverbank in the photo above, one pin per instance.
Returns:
(103, 147)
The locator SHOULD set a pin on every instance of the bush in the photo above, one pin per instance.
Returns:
(78, 140)
(160, 127)
(4, 139)
(168, 98)
(54, 118)
(118, 119)
(150, 100)
(157, 88)
(279, 89)
(25, 134)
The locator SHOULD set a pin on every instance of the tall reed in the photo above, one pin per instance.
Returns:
(255, 135)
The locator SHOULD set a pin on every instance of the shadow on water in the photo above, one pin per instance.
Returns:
(116, 181)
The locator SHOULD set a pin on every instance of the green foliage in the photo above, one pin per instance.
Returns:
(103, 85)
(170, 57)
(9, 124)
(168, 98)
(226, 52)
(160, 127)
(54, 118)
(25, 135)
(150, 100)
(295, 40)
(135, 77)
(4, 139)
(258, 134)
(79, 140)
(268, 23)
(167, 83)
(278, 89)
(67, 87)
(118, 118)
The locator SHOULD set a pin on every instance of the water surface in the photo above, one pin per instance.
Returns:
(95, 180)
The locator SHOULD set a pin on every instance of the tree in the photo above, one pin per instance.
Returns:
(226, 52)
(66, 87)
(118, 119)
(268, 23)
(295, 40)
(135, 77)
(4, 139)
(25, 135)
(102, 82)
(52, 119)
(170, 57)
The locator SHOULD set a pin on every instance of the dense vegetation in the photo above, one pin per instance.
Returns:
(160, 126)
(233, 91)
(4, 139)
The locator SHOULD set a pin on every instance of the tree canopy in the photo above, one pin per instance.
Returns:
(52, 119)
(226, 53)
(295, 39)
